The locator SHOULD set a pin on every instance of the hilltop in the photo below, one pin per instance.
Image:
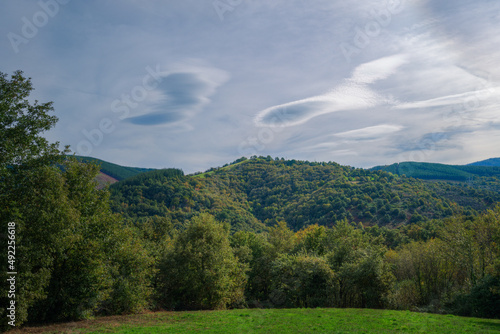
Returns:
(251, 194)
(493, 162)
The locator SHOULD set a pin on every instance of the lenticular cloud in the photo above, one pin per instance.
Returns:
(352, 94)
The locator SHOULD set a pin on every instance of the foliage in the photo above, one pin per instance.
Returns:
(24, 153)
(74, 258)
(21, 125)
(483, 175)
(116, 171)
(302, 281)
(82, 258)
(168, 193)
(253, 193)
(426, 170)
(201, 271)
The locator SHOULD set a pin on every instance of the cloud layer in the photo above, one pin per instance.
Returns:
(269, 78)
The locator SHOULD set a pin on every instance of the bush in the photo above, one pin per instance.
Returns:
(483, 301)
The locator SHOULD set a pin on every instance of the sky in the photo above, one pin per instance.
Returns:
(195, 84)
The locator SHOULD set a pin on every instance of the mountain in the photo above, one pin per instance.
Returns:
(476, 176)
(251, 194)
(113, 171)
(433, 171)
(493, 162)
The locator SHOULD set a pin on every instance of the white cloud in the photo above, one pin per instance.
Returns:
(371, 132)
(352, 94)
(468, 98)
(378, 69)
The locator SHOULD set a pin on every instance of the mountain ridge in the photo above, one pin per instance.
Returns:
(252, 194)
(492, 162)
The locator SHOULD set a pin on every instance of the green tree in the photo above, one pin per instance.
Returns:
(302, 281)
(102, 267)
(201, 271)
(311, 240)
(21, 125)
(74, 258)
(24, 155)
(281, 239)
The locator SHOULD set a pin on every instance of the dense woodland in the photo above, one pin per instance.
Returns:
(260, 191)
(259, 232)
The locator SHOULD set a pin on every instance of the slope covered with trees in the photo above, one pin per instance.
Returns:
(261, 190)
(116, 171)
(493, 162)
(480, 176)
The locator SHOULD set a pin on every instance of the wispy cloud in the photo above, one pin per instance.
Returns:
(462, 98)
(352, 94)
(370, 132)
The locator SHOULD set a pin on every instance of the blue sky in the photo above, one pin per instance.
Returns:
(198, 83)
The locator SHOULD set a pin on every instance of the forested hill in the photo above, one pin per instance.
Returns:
(493, 162)
(433, 171)
(480, 175)
(115, 171)
(251, 194)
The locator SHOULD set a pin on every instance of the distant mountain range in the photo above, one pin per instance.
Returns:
(493, 162)
(419, 170)
(434, 171)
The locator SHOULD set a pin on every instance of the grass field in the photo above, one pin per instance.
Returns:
(276, 321)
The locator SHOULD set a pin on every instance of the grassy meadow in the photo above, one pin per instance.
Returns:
(319, 320)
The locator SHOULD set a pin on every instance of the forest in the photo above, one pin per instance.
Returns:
(260, 232)
(249, 193)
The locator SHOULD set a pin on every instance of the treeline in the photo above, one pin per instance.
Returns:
(455, 271)
(475, 176)
(73, 257)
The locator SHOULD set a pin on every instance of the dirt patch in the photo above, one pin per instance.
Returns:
(100, 323)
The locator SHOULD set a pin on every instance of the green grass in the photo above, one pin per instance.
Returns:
(279, 321)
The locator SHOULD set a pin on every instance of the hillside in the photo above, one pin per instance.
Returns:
(253, 193)
(104, 180)
(433, 171)
(113, 170)
(493, 162)
(475, 176)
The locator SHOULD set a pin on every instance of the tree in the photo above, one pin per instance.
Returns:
(254, 249)
(281, 239)
(100, 266)
(201, 271)
(21, 125)
(311, 240)
(24, 157)
(302, 281)
(74, 258)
